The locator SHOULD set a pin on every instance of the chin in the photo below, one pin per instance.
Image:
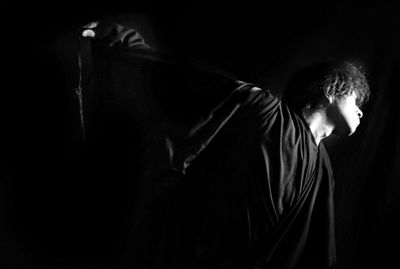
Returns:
(352, 130)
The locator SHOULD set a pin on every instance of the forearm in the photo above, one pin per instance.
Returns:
(114, 35)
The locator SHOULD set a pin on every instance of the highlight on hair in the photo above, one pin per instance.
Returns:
(328, 79)
(345, 79)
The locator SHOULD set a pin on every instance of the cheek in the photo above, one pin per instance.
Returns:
(351, 116)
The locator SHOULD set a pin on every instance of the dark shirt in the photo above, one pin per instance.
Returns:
(229, 176)
(261, 192)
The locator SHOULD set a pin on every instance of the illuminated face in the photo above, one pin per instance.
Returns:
(345, 115)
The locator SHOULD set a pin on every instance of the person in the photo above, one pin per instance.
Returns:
(244, 180)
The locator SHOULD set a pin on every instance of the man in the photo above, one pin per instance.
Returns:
(246, 181)
(262, 192)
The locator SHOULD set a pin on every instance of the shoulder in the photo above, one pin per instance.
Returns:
(257, 97)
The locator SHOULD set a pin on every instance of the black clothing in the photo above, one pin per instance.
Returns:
(228, 175)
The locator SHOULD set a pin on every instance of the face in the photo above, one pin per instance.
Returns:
(344, 114)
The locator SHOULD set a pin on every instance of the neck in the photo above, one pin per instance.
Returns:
(319, 124)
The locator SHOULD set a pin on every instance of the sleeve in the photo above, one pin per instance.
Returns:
(115, 35)
(247, 99)
(262, 106)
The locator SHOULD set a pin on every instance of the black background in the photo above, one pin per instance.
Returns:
(53, 215)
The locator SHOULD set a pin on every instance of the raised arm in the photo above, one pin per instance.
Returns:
(114, 35)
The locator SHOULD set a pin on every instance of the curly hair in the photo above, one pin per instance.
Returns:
(328, 79)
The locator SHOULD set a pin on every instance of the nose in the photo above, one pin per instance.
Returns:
(359, 113)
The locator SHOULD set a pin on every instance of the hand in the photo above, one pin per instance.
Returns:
(89, 29)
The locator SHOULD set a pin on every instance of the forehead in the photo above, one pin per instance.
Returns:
(349, 98)
(353, 95)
